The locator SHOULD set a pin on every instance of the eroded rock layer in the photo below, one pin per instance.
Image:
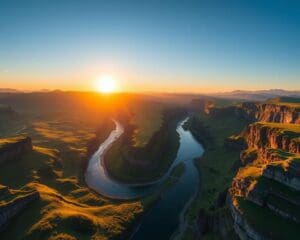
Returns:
(264, 197)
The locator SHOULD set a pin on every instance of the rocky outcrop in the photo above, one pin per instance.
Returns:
(260, 136)
(241, 226)
(4, 190)
(268, 184)
(219, 222)
(11, 209)
(14, 149)
(235, 142)
(288, 178)
(248, 156)
(269, 112)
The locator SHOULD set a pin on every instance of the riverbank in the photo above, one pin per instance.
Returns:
(149, 201)
(141, 165)
(216, 166)
(164, 217)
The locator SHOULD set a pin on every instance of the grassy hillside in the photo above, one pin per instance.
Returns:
(216, 166)
(283, 128)
(147, 119)
(285, 100)
(264, 191)
(62, 127)
(129, 163)
(10, 122)
(67, 208)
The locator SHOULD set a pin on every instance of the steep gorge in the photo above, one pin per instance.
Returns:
(270, 112)
(264, 196)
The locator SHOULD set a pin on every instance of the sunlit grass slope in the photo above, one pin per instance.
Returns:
(73, 215)
(287, 101)
(283, 128)
(216, 164)
(147, 162)
(147, 119)
(67, 208)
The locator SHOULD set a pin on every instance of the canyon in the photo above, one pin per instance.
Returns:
(264, 196)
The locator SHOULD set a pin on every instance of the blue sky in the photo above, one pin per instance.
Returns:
(150, 45)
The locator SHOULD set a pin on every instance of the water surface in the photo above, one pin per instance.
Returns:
(162, 220)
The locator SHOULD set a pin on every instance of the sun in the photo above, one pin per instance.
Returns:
(106, 84)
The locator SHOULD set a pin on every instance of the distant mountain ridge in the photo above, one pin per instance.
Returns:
(8, 90)
(259, 95)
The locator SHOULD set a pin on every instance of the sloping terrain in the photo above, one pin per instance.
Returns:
(263, 198)
(265, 194)
(52, 168)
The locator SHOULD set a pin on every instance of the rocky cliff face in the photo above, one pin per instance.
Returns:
(11, 209)
(269, 112)
(241, 226)
(14, 149)
(262, 136)
(288, 178)
(268, 185)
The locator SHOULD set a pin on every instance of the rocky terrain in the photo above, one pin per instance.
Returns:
(12, 204)
(258, 195)
(272, 111)
(12, 148)
(264, 197)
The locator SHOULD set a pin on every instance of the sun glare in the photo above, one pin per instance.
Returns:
(106, 84)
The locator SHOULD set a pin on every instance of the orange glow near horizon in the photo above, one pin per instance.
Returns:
(122, 82)
(106, 84)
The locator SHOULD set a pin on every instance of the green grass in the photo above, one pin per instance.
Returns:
(277, 188)
(284, 205)
(268, 187)
(286, 101)
(10, 122)
(151, 161)
(119, 167)
(266, 222)
(61, 126)
(54, 168)
(19, 172)
(147, 119)
(289, 129)
(215, 166)
(291, 165)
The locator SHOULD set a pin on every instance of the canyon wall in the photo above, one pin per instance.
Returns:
(261, 135)
(268, 182)
(269, 112)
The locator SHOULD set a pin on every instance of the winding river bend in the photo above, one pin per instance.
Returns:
(163, 219)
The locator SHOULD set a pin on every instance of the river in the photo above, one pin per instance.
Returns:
(162, 220)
